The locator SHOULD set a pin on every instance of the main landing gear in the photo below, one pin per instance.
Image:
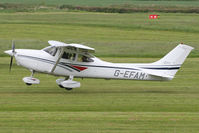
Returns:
(68, 84)
(30, 80)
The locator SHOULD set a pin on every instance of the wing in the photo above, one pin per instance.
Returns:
(76, 47)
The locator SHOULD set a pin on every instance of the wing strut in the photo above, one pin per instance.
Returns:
(61, 53)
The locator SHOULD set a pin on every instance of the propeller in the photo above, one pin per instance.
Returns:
(13, 52)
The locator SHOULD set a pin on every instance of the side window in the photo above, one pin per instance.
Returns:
(65, 55)
(82, 58)
(68, 56)
(73, 56)
(79, 59)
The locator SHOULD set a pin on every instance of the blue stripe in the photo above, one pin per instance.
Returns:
(163, 68)
(65, 65)
(46, 61)
(102, 66)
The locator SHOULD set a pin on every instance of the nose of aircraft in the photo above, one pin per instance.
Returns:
(9, 52)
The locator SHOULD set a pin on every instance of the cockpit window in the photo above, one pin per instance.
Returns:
(51, 50)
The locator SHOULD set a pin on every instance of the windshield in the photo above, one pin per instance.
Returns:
(51, 50)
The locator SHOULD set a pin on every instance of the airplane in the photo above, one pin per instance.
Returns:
(76, 60)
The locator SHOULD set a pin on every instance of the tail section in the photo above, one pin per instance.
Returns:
(170, 63)
(176, 56)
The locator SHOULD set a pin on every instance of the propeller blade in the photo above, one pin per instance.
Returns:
(11, 60)
(13, 47)
(13, 52)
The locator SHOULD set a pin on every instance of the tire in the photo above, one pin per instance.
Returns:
(68, 89)
(61, 86)
(28, 84)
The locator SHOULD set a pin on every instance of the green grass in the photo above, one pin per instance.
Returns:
(106, 2)
(100, 105)
(124, 35)
(110, 6)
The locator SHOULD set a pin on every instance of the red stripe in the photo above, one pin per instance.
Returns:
(79, 67)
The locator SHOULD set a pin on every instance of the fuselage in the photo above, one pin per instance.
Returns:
(43, 62)
(75, 60)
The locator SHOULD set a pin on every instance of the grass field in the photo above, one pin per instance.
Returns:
(107, 2)
(108, 6)
(124, 35)
(100, 105)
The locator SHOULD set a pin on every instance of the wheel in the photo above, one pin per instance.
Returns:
(61, 86)
(68, 89)
(28, 84)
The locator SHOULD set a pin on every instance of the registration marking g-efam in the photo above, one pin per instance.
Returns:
(130, 74)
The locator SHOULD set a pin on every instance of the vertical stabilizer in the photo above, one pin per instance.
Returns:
(170, 63)
(176, 56)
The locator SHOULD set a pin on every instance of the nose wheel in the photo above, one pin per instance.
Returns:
(28, 84)
(60, 86)
(30, 80)
(68, 84)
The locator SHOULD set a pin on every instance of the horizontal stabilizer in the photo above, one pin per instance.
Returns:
(159, 74)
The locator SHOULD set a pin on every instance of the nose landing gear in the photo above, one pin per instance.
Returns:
(30, 80)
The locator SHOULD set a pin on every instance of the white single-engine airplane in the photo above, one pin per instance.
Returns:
(76, 60)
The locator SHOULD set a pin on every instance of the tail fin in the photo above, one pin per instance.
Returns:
(171, 62)
(176, 56)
